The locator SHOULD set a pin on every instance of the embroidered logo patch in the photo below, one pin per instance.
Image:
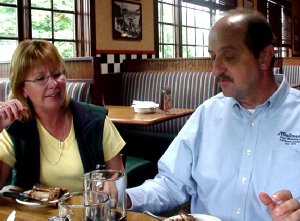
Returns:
(289, 138)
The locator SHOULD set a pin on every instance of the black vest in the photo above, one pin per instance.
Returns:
(88, 120)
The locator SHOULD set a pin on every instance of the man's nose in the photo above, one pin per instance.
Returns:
(218, 67)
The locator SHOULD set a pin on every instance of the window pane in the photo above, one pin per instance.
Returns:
(169, 51)
(205, 50)
(191, 36)
(41, 3)
(191, 51)
(159, 8)
(160, 51)
(184, 51)
(196, 20)
(66, 49)
(168, 14)
(8, 1)
(204, 22)
(191, 17)
(184, 38)
(184, 15)
(64, 26)
(199, 51)
(202, 52)
(160, 34)
(63, 5)
(199, 37)
(168, 32)
(7, 48)
(41, 24)
(8, 18)
(217, 16)
(205, 37)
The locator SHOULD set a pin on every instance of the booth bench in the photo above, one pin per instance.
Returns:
(78, 90)
(191, 83)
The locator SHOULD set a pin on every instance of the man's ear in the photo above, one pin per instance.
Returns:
(265, 57)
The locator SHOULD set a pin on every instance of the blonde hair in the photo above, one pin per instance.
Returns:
(28, 55)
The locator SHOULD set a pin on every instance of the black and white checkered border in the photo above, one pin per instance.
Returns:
(111, 63)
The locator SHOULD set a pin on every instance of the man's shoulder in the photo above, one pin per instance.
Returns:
(218, 99)
(215, 104)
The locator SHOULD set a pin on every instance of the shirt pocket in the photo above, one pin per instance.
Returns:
(284, 170)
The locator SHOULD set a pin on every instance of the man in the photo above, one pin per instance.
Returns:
(237, 157)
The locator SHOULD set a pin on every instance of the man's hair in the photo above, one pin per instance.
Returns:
(258, 32)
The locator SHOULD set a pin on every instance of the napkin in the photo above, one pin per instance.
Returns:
(12, 216)
(144, 104)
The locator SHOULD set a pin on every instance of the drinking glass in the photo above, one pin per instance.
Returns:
(114, 183)
(86, 205)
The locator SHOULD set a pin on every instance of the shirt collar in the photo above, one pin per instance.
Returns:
(280, 94)
(273, 101)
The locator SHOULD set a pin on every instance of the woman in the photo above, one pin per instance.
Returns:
(47, 137)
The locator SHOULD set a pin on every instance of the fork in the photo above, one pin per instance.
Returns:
(154, 216)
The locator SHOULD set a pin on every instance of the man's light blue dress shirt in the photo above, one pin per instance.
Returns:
(225, 156)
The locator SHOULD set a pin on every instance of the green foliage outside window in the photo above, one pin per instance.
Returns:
(8, 19)
(55, 24)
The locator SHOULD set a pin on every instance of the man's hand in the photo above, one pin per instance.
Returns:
(281, 205)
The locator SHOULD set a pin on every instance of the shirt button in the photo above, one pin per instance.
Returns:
(248, 152)
(253, 123)
(238, 211)
(244, 180)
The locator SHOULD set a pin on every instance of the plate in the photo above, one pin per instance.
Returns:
(144, 110)
(29, 203)
(198, 217)
(32, 202)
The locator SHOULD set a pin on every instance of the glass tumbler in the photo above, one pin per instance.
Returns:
(86, 205)
(114, 183)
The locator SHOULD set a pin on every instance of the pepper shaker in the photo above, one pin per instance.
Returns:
(165, 99)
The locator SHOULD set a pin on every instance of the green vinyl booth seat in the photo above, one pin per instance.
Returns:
(138, 170)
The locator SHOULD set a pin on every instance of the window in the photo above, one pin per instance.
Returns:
(8, 29)
(279, 15)
(183, 26)
(168, 27)
(63, 22)
(194, 31)
(55, 21)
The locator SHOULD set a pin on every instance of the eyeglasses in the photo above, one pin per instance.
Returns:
(43, 80)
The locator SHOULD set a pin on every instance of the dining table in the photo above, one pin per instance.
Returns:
(125, 115)
(43, 213)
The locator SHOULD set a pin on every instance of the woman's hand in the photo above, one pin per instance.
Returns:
(281, 205)
(10, 111)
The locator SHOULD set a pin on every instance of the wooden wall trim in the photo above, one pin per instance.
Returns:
(291, 61)
(171, 64)
(77, 68)
(180, 64)
(80, 68)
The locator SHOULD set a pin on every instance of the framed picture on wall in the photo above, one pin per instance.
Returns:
(127, 20)
(249, 4)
